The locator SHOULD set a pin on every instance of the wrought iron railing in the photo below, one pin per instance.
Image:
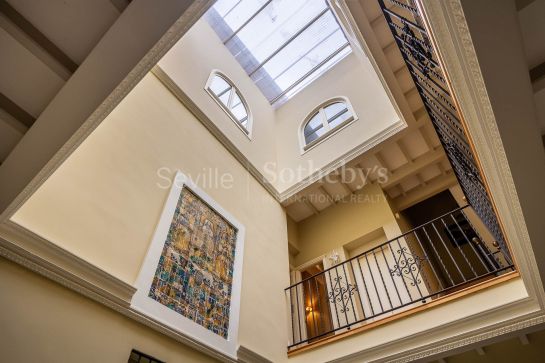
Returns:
(439, 257)
(406, 24)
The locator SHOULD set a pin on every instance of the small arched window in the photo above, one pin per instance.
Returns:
(325, 120)
(228, 97)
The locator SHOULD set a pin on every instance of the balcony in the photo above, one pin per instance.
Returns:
(418, 268)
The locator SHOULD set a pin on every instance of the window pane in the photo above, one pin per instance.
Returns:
(317, 73)
(334, 109)
(237, 109)
(257, 45)
(278, 22)
(314, 45)
(236, 12)
(342, 117)
(314, 128)
(219, 86)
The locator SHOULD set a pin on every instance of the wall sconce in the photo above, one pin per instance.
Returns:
(308, 309)
(334, 258)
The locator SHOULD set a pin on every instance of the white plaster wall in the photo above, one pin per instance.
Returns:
(352, 78)
(189, 64)
(104, 202)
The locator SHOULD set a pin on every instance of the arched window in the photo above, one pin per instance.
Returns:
(325, 120)
(230, 100)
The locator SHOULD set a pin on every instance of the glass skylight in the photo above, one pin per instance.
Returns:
(283, 45)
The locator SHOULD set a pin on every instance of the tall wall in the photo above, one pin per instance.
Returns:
(104, 202)
(189, 64)
(44, 322)
(344, 223)
(352, 78)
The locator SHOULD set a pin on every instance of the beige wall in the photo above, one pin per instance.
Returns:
(275, 143)
(45, 322)
(189, 64)
(352, 78)
(104, 202)
(344, 223)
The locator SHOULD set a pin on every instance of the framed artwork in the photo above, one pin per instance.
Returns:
(191, 276)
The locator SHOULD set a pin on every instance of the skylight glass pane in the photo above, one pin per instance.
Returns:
(219, 86)
(276, 24)
(237, 109)
(282, 44)
(318, 72)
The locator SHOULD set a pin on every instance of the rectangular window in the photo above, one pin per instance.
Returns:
(283, 45)
(139, 357)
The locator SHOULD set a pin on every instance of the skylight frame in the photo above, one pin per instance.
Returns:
(326, 52)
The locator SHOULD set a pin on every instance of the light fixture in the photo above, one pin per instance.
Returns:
(308, 309)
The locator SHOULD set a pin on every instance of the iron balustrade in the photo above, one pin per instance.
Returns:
(406, 24)
(439, 257)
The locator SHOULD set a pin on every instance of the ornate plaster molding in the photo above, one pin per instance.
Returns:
(246, 355)
(447, 23)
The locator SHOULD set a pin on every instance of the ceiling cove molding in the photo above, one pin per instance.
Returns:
(441, 347)
(16, 240)
(450, 33)
(193, 13)
(246, 355)
(85, 279)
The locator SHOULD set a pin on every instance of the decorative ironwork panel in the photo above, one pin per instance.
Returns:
(405, 23)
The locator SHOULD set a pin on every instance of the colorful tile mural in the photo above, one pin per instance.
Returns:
(195, 271)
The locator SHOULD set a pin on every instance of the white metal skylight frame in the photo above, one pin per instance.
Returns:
(283, 45)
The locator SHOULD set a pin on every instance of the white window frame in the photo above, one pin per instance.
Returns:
(329, 130)
(217, 73)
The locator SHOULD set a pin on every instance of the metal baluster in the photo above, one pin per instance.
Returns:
(472, 246)
(341, 295)
(333, 298)
(438, 255)
(428, 259)
(407, 265)
(359, 293)
(400, 272)
(350, 292)
(365, 287)
(448, 251)
(382, 279)
(374, 283)
(298, 311)
(459, 248)
(495, 264)
(392, 274)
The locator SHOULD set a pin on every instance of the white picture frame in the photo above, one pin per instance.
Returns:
(146, 305)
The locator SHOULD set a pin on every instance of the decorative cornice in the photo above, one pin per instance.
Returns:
(16, 240)
(246, 355)
(454, 44)
(468, 340)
